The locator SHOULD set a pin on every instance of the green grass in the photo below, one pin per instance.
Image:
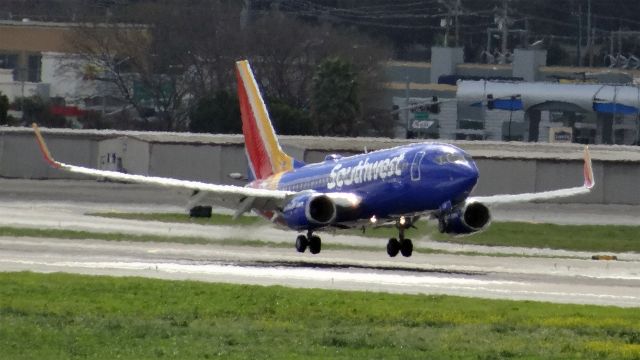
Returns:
(59, 316)
(594, 238)
(80, 235)
(610, 238)
(77, 235)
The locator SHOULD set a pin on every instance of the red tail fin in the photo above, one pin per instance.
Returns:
(263, 150)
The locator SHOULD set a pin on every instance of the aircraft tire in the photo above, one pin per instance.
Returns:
(393, 247)
(315, 244)
(301, 243)
(406, 247)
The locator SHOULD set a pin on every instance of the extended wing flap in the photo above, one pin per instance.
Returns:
(588, 184)
(158, 181)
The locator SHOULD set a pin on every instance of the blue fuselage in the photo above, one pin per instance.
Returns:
(404, 180)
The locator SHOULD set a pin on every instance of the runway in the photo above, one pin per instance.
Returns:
(57, 205)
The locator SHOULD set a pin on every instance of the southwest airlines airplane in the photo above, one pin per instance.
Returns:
(392, 187)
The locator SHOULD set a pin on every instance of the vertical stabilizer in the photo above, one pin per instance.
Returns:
(263, 150)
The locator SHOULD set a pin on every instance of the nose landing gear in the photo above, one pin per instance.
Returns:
(403, 246)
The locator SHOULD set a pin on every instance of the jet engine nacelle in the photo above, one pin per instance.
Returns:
(308, 211)
(466, 219)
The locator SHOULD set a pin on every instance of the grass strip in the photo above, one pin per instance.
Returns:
(81, 235)
(61, 316)
(78, 235)
(593, 238)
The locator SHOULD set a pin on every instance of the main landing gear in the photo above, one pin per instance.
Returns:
(311, 241)
(403, 246)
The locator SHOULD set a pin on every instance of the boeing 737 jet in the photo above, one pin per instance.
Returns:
(393, 187)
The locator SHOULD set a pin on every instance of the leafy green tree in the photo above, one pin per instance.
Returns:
(4, 109)
(288, 120)
(335, 107)
(218, 114)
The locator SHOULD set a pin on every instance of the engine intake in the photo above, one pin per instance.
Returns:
(307, 211)
(467, 219)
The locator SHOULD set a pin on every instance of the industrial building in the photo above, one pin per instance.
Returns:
(521, 101)
(445, 98)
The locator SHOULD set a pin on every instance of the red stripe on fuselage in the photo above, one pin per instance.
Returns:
(256, 148)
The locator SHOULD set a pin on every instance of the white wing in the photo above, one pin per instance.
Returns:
(229, 195)
(545, 195)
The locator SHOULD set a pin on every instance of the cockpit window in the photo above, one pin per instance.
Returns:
(452, 158)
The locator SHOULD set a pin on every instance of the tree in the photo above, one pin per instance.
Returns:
(335, 104)
(217, 114)
(36, 109)
(288, 60)
(4, 109)
(162, 55)
(288, 120)
(167, 56)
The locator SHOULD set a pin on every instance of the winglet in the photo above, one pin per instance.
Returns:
(589, 181)
(43, 148)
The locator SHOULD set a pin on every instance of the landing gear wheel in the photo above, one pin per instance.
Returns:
(315, 244)
(301, 243)
(406, 247)
(442, 225)
(393, 247)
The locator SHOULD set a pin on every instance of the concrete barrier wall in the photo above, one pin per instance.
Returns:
(21, 157)
(620, 184)
(539, 167)
(208, 163)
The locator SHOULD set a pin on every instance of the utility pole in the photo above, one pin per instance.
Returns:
(452, 15)
(527, 32)
(505, 25)
(406, 105)
(589, 34)
(457, 23)
(579, 44)
(245, 14)
(447, 23)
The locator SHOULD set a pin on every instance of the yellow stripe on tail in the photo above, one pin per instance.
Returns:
(264, 151)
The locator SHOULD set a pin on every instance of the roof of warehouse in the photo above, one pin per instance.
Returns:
(478, 149)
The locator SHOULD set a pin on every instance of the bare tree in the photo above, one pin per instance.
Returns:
(286, 53)
(179, 54)
(166, 56)
(122, 56)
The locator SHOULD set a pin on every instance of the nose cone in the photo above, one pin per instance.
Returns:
(465, 174)
(470, 174)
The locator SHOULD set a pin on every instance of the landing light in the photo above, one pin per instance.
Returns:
(402, 220)
(353, 199)
(373, 219)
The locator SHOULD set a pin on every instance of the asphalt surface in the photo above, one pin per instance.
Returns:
(64, 204)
